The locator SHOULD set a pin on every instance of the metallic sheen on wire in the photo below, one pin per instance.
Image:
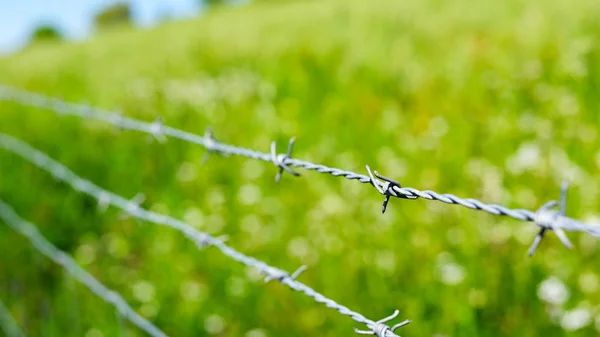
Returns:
(284, 161)
(201, 239)
(29, 231)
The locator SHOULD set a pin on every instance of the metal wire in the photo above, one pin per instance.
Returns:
(201, 239)
(31, 232)
(387, 187)
(8, 323)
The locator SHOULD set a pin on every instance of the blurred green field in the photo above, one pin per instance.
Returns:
(490, 100)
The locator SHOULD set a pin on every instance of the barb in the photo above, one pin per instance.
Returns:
(156, 130)
(202, 239)
(210, 141)
(8, 323)
(59, 257)
(135, 203)
(103, 202)
(546, 219)
(279, 160)
(204, 244)
(380, 329)
(283, 275)
(387, 187)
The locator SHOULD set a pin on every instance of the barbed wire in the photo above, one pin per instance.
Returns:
(545, 217)
(201, 239)
(8, 323)
(59, 257)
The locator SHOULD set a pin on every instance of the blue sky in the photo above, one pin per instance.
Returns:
(18, 18)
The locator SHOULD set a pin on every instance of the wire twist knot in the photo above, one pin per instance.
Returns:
(280, 275)
(210, 143)
(279, 159)
(381, 330)
(103, 201)
(386, 188)
(156, 130)
(132, 206)
(205, 240)
(548, 219)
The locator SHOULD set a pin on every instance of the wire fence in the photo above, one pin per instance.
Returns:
(59, 257)
(546, 218)
(8, 323)
(201, 239)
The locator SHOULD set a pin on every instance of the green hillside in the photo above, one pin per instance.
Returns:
(495, 100)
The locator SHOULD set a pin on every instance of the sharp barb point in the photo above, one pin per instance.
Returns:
(536, 241)
(545, 218)
(563, 238)
(279, 160)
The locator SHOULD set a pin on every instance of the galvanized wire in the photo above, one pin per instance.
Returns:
(8, 323)
(385, 186)
(201, 239)
(31, 232)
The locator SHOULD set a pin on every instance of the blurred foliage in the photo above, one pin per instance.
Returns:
(114, 15)
(46, 32)
(214, 2)
(491, 100)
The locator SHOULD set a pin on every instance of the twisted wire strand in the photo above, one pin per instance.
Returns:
(201, 239)
(8, 323)
(62, 107)
(84, 111)
(31, 232)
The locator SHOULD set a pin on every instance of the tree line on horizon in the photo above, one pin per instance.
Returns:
(115, 15)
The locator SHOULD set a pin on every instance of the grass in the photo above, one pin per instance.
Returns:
(491, 100)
